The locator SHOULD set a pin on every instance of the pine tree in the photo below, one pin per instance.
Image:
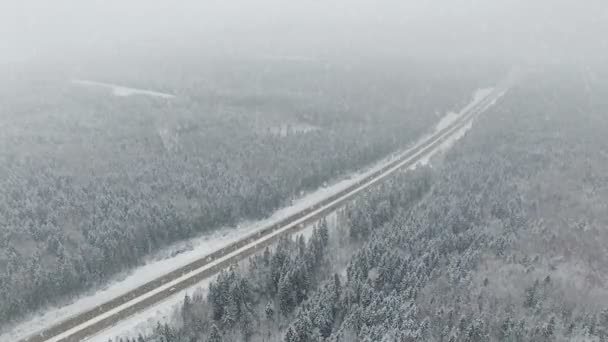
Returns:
(337, 286)
(215, 335)
(277, 261)
(303, 329)
(301, 245)
(266, 257)
(530, 300)
(285, 294)
(269, 312)
(186, 309)
(290, 335)
(324, 232)
(246, 324)
(549, 329)
(475, 331)
(603, 325)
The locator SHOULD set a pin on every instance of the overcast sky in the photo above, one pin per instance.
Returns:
(512, 29)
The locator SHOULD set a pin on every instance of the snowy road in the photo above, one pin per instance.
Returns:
(98, 318)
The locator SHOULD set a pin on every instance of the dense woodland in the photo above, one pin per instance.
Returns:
(503, 240)
(92, 183)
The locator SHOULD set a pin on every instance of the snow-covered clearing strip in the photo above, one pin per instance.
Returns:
(122, 91)
(200, 247)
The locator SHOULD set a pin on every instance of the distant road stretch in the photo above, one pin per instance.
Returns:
(93, 321)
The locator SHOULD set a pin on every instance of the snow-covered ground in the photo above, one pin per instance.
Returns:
(145, 321)
(182, 253)
(284, 130)
(450, 117)
(122, 91)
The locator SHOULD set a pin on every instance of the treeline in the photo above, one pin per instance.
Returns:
(504, 247)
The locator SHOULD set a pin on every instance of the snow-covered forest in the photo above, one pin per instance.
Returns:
(503, 239)
(303, 171)
(92, 183)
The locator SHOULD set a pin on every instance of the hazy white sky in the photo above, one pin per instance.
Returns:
(539, 29)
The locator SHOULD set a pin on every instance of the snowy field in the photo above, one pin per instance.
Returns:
(185, 252)
(122, 91)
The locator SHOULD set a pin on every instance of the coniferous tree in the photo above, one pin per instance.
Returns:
(215, 335)
(269, 311)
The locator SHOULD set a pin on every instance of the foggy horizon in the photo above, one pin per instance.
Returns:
(537, 32)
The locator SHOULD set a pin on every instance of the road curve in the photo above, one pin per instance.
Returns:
(103, 316)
